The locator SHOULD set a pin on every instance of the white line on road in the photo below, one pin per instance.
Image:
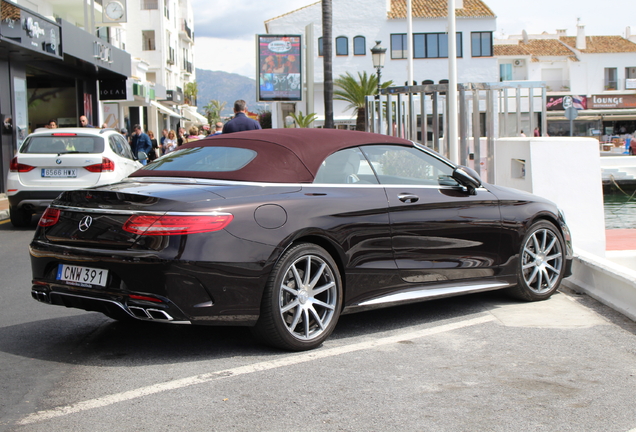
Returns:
(242, 370)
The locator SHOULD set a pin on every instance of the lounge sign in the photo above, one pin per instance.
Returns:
(612, 101)
(29, 30)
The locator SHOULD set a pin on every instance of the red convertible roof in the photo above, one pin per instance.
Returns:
(283, 155)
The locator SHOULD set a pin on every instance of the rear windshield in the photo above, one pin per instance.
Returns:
(213, 159)
(63, 144)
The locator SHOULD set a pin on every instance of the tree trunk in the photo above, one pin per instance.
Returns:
(327, 62)
(360, 120)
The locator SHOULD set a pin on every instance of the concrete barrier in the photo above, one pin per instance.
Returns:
(606, 281)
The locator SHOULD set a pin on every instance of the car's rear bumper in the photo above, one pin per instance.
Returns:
(35, 200)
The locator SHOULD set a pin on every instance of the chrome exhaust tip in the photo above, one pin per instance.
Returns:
(149, 314)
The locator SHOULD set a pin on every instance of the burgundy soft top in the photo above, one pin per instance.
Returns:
(283, 155)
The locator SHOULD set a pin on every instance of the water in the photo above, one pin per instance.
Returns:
(620, 211)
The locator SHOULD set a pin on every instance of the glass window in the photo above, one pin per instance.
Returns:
(408, 166)
(149, 4)
(125, 147)
(434, 45)
(398, 46)
(419, 45)
(505, 72)
(481, 44)
(345, 167)
(63, 144)
(432, 50)
(359, 45)
(342, 46)
(611, 81)
(320, 47)
(148, 40)
(204, 159)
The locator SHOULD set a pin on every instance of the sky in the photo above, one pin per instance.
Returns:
(225, 41)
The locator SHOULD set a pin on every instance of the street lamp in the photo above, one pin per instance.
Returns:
(377, 54)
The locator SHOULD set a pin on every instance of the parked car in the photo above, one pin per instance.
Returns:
(285, 230)
(51, 161)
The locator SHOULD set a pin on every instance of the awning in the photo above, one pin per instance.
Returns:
(164, 109)
(190, 113)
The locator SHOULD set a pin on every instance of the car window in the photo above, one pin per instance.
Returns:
(407, 165)
(63, 143)
(115, 145)
(211, 159)
(125, 147)
(345, 167)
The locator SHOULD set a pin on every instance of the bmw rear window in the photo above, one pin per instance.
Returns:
(198, 159)
(63, 144)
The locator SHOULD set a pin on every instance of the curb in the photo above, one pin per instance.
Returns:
(4, 207)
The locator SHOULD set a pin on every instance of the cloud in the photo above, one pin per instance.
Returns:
(238, 20)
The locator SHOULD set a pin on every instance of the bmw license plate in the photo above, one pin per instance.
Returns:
(59, 172)
(81, 276)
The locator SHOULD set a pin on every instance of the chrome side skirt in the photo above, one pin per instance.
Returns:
(421, 293)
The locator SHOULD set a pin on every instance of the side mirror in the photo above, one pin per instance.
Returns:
(142, 156)
(467, 177)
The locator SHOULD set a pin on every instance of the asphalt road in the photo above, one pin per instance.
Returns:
(473, 363)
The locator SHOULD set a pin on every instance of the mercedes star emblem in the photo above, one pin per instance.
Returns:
(85, 223)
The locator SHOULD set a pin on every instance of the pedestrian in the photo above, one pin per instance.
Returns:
(522, 134)
(193, 134)
(240, 122)
(140, 143)
(84, 122)
(536, 132)
(218, 128)
(181, 137)
(170, 143)
(164, 135)
(154, 154)
(52, 124)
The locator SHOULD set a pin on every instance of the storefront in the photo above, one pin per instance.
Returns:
(48, 71)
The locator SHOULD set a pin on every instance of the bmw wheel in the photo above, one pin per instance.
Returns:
(541, 262)
(302, 301)
(20, 218)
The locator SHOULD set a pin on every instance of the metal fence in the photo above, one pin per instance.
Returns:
(487, 111)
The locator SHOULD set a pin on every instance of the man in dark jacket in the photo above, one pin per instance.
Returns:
(140, 143)
(240, 122)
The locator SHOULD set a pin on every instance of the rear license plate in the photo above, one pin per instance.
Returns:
(81, 276)
(59, 172)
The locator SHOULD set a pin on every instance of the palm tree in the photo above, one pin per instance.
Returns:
(213, 110)
(327, 60)
(354, 92)
(303, 121)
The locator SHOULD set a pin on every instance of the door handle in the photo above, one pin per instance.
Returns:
(408, 198)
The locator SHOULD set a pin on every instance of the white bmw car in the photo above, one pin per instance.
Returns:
(51, 161)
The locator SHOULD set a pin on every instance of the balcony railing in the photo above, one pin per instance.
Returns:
(630, 84)
(186, 29)
(610, 85)
(187, 66)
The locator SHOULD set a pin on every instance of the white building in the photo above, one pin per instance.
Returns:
(357, 24)
(597, 72)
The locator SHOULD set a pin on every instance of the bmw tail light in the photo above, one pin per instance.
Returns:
(176, 224)
(50, 217)
(106, 165)
(14, 166)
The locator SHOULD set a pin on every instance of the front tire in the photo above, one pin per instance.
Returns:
(541, 263)
(302, 300)
(20, 218)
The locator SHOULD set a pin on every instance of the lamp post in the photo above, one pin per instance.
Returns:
(377, 54)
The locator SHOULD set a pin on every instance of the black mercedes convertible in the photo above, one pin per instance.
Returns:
(284, 230)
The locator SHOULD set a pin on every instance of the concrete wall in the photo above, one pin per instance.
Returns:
(563, 170)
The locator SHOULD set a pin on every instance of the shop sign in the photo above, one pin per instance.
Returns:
(612, 101)
(29, 30)
(112, 89)
(560, 103)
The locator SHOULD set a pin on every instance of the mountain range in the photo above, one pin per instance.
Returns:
(225, 87)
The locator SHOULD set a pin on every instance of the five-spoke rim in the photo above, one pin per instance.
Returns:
(542, 261)
(308, 297)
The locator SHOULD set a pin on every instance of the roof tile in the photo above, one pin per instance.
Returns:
(439, 9)
(602, 44)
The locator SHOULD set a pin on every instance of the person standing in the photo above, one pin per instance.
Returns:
(536, 132)
(52, 124)
(84, 122)
(154, 154)
(218, 128)
(240, 122)
(170, 143)
(140, 143)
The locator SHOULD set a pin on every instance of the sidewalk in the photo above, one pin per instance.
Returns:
(4, 207)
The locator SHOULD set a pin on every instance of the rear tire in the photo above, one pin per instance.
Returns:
(302, 300)
(20, 218)
(541, 263)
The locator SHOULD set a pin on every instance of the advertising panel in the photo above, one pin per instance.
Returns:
(612, 101)
(279, 68)
(29, 30)
(560, 103)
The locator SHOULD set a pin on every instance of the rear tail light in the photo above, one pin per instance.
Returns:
(50, 217)
(107, 165)
(14, 166)
(145, 298)
(176, 225)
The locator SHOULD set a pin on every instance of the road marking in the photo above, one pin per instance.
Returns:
(4, 221)
(248, 369)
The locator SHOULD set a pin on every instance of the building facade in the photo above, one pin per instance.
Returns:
(357, 24)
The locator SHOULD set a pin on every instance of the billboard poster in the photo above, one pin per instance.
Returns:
(279, 68)
(560, 103)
